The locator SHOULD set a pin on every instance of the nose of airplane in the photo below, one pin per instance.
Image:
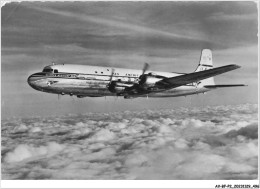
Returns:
(32, 81)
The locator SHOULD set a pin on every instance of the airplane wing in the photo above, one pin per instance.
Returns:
(221, 86)
(173, 82)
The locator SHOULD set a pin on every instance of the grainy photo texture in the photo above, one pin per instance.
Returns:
(129, 91)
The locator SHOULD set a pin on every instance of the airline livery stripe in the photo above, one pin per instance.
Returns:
(85, 77)
(65, 75)
(84, 74)
(99, 74)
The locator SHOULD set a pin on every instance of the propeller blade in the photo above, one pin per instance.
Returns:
(111, 76)
(146, 67)
(142, 77)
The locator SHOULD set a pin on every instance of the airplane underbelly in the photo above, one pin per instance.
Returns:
(99, 88)
(76, 87)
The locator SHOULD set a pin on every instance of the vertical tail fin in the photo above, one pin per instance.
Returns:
(205, 60)
(206, 63)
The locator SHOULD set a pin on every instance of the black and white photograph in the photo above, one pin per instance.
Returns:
(130, 90)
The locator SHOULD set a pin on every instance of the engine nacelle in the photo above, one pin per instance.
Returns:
(149, 81)
(118, 87)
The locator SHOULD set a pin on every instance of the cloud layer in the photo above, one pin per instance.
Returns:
(200, 143)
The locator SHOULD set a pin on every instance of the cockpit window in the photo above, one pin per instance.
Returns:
(55, 71)
(47, 70)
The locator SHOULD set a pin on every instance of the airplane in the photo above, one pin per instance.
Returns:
(98, 81)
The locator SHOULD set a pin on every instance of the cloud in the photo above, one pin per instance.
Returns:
(115, 23)
(250, 132)
(20, 129)
(103, 135)
(231, 17)
(198, 143)
(35, 130)
(24, 151)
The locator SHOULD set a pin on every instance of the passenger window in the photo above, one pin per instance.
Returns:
(55, 71)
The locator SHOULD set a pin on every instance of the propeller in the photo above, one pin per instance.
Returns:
(142, 77)
(111, 77)
(145, 68)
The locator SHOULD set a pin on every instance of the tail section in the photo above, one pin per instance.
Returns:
(206, 63)
(205, 60)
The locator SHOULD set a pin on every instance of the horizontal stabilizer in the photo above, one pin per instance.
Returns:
(195, 76)
(219, 86)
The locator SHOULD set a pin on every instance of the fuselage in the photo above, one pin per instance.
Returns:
(92, 81)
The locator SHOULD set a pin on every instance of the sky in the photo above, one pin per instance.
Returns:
(167, 35)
